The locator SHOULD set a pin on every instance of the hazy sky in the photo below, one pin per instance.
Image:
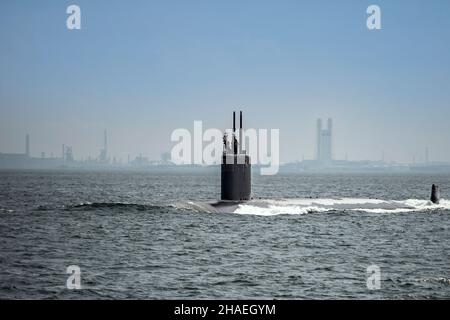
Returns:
(144, 68)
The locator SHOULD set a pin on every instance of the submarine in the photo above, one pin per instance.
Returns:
(236, 171)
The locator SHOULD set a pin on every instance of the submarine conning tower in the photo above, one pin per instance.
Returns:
(235, 168)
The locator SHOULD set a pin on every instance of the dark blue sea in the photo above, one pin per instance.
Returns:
(148, 235)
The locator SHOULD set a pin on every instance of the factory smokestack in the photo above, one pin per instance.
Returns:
(240, 132)
(319, 140)
(234, 122)
(27, 145)
(105, 145)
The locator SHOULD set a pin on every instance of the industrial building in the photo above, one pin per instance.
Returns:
(324, 142)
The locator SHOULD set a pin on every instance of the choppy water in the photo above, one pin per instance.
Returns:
(144, 235)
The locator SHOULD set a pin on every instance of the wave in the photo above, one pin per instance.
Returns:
(441, 280)
(305, 206)
(114, 205)
(272, 207)
(196, 207)
(182, 206)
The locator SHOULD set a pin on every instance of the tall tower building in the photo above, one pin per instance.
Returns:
(27, 145)
(105, 143)
(324, 141)
(104, 152)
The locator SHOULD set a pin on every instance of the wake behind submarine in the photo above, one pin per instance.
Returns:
(236, 174)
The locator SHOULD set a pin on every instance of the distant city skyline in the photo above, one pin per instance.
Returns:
(143, 69)
(323, 151)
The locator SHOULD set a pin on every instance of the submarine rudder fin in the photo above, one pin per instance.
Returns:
(435, 194)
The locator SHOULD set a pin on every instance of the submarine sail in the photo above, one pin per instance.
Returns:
(235, 168)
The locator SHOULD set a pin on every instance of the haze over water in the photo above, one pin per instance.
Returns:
(142, 69)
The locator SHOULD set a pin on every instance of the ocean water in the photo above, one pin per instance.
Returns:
(147, 236)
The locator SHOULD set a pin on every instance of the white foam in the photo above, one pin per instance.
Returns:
(304, 206)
